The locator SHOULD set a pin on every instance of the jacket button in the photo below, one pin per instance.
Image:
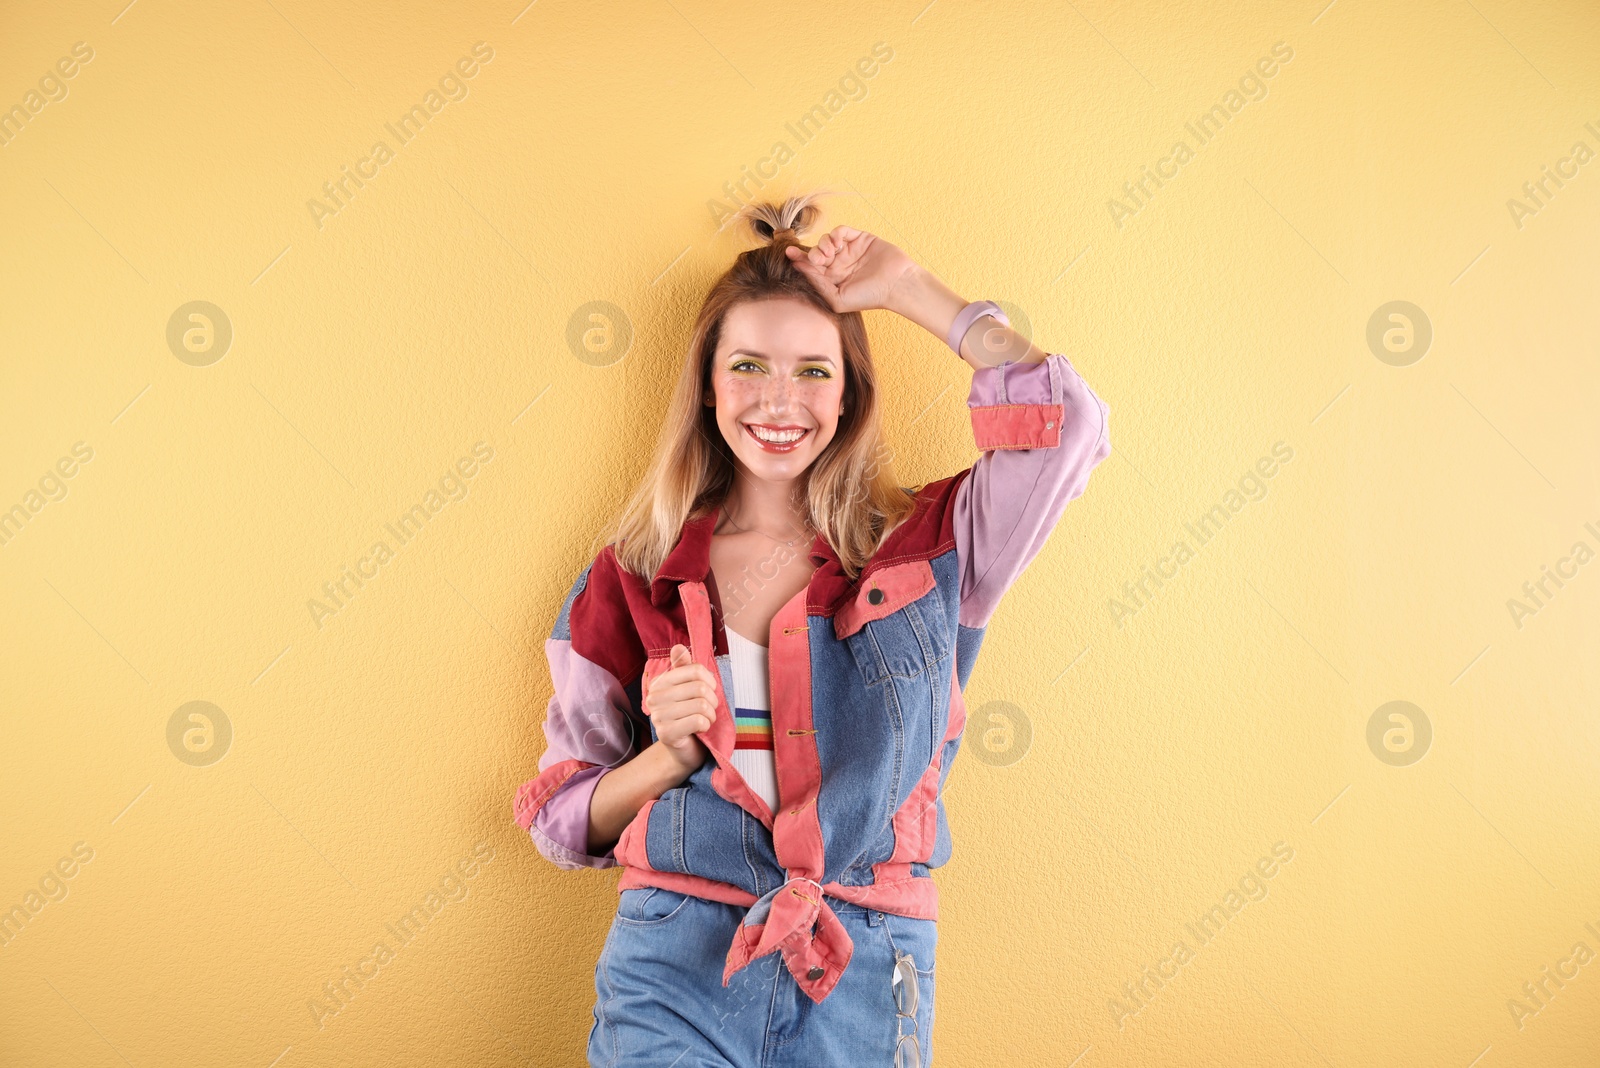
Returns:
(815, 973)
(875, 595)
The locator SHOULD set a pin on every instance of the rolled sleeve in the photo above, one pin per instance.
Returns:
(1016, 406)
(1041, 430)
(560, 828)
(590, 725)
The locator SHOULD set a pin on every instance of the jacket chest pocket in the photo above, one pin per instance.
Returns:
(900, 646)
(894, 626)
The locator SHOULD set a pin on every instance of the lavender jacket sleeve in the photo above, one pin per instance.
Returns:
(1042, 431)
(590, 724)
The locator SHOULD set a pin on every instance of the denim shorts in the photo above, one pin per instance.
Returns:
(659, 998)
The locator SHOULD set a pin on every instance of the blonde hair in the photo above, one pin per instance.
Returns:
(850, 493)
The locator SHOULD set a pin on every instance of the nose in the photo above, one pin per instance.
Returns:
(779, 395)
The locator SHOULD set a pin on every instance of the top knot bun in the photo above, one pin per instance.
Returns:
(794, 217)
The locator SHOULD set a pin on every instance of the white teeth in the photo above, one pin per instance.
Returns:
(777, 437)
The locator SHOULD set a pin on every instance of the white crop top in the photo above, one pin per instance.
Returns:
(752, 710)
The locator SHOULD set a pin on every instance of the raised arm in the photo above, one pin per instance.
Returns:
(1040, 428)
(1042, 431)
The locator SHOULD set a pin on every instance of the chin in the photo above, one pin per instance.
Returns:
(777, 469)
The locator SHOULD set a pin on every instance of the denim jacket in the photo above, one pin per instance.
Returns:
(866, 687)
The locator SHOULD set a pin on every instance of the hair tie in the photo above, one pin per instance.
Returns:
(969, 315)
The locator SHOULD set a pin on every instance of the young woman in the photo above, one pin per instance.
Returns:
(758, 681)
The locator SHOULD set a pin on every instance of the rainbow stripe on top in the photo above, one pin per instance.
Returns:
(754, 728)
(753, 756)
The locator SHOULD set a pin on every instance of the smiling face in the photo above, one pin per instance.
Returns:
(778, 379)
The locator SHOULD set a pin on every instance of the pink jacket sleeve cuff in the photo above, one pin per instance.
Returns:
(560, 828)
(1017, 405)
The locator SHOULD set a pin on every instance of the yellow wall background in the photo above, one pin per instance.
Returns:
(1140, 770)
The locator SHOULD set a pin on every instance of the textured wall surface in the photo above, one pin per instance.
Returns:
(1163, 713)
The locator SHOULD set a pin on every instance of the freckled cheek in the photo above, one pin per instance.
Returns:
(822, 398)
(735, 395)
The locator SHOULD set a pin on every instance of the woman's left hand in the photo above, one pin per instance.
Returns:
(852, 269)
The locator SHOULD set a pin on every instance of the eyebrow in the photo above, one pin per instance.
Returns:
(764, 356)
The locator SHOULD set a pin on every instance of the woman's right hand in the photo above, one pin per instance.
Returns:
(681, 701)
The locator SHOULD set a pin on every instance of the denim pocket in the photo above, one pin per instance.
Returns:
(901, 645)
(649, 906)
(919, 938)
